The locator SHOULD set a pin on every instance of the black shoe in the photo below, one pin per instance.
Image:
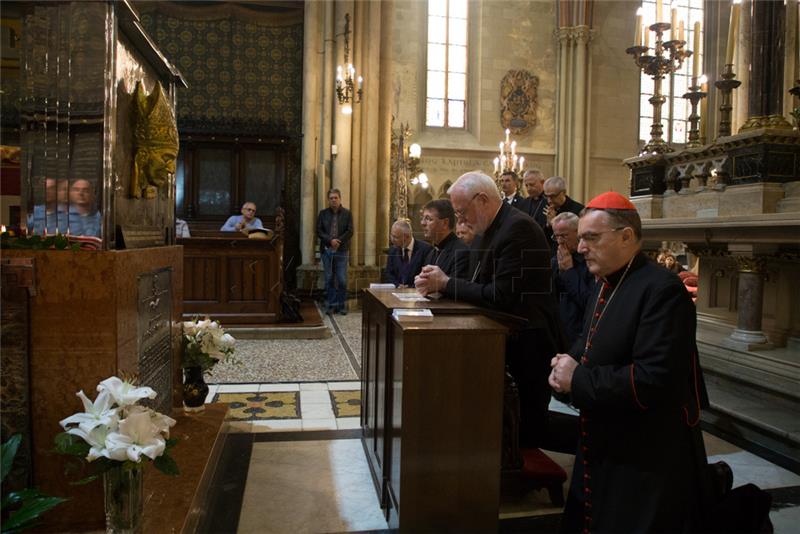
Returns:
(342, 312)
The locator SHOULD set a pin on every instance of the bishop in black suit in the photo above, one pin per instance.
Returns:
(535, 203)
(513, 276)
(406, 255)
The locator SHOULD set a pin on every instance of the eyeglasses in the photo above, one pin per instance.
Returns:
(556, 237)
(552, 195)
(592, 237)
(460, 213)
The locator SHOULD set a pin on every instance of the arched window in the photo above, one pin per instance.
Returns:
(446, 94)
(675, 111)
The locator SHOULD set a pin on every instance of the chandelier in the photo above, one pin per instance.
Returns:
(348, 91)
(507, 160)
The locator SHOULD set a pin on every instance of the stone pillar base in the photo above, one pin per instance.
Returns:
(747, 340)
(311, 278)
(648, 206)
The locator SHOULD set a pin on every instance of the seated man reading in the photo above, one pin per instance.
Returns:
(244, 222)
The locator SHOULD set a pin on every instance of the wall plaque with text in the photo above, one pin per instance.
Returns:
(154, 335)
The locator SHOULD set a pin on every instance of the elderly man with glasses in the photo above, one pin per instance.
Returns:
(555, 192)
(512, 275)
(571, 278)
(634, 375)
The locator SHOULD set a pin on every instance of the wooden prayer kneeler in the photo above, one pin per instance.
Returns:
(540, 471)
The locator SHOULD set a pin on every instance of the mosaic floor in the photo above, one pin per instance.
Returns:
(294, 419)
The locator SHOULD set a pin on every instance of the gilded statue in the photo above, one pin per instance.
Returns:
(155, 137)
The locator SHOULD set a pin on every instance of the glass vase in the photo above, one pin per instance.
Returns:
(123, 494)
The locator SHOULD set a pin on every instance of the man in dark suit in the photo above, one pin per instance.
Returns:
(571, 277)
(438, 222)
(512, 276)
(509, 183)
(555, 191)
(535, 203)
(406, 255)
(334, 230)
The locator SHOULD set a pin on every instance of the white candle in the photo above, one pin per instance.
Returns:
(647, 38)
(696, 50)
(680, 31)
(659, 10)
(513, 147)
(733, 31)
(673, 22)
(637, 39)
(703, 81)
(521, 163)
(496, 164)
(502, 145)
(508, 132)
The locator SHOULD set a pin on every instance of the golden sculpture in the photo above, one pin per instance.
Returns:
(155, 138)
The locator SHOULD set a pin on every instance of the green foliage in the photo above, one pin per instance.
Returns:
(37, 242)
(21, 509)
(77, 450)
(193, 356)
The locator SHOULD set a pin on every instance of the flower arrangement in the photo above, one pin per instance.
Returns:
(205, 344)
(115, 429)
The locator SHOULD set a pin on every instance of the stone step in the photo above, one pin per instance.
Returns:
(754, 419)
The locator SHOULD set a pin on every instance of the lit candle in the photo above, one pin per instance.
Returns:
(521, 163)
(496, 165)
(508, 132)
(513, 147)
(703, 81)
(502, 146)
(360, 81)
(637, 39)
(696, 50)
(3, 229)
(673, 22)
(659, 9)
(733, 31)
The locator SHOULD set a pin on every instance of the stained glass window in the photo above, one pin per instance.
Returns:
(446, 98)
(675, 111)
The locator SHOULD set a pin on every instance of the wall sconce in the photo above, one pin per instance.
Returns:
(348, 91)
(405, 169)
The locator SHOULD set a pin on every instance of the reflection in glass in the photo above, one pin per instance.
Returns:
(260, 184)
(214, 181)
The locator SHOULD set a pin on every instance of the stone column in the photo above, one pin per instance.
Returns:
(765, 89)
(749, 302)
(312, 77)
(572, 144)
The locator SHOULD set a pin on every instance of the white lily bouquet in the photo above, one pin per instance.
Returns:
(205, 344)
(114, 428)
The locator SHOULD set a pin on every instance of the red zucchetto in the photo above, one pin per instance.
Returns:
(611, 200)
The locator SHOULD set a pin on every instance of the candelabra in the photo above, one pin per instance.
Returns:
(726, 86)
(694, 96)
(507, 160)
(656, 66)
(405, 169)
(346, 89)
(796, 111)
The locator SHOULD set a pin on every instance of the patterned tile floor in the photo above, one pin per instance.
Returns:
(290, 406)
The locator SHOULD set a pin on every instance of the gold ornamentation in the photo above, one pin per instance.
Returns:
(518, 101)
(751, 264)
(155, 138)
(770, 121)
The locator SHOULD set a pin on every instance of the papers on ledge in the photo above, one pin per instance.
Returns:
(409, 297)
(416, 315)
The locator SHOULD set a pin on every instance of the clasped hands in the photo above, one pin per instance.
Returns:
(563, 367)
(430, 280)
(335, 244)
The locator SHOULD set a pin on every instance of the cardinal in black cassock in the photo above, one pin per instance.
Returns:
(634, 376)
